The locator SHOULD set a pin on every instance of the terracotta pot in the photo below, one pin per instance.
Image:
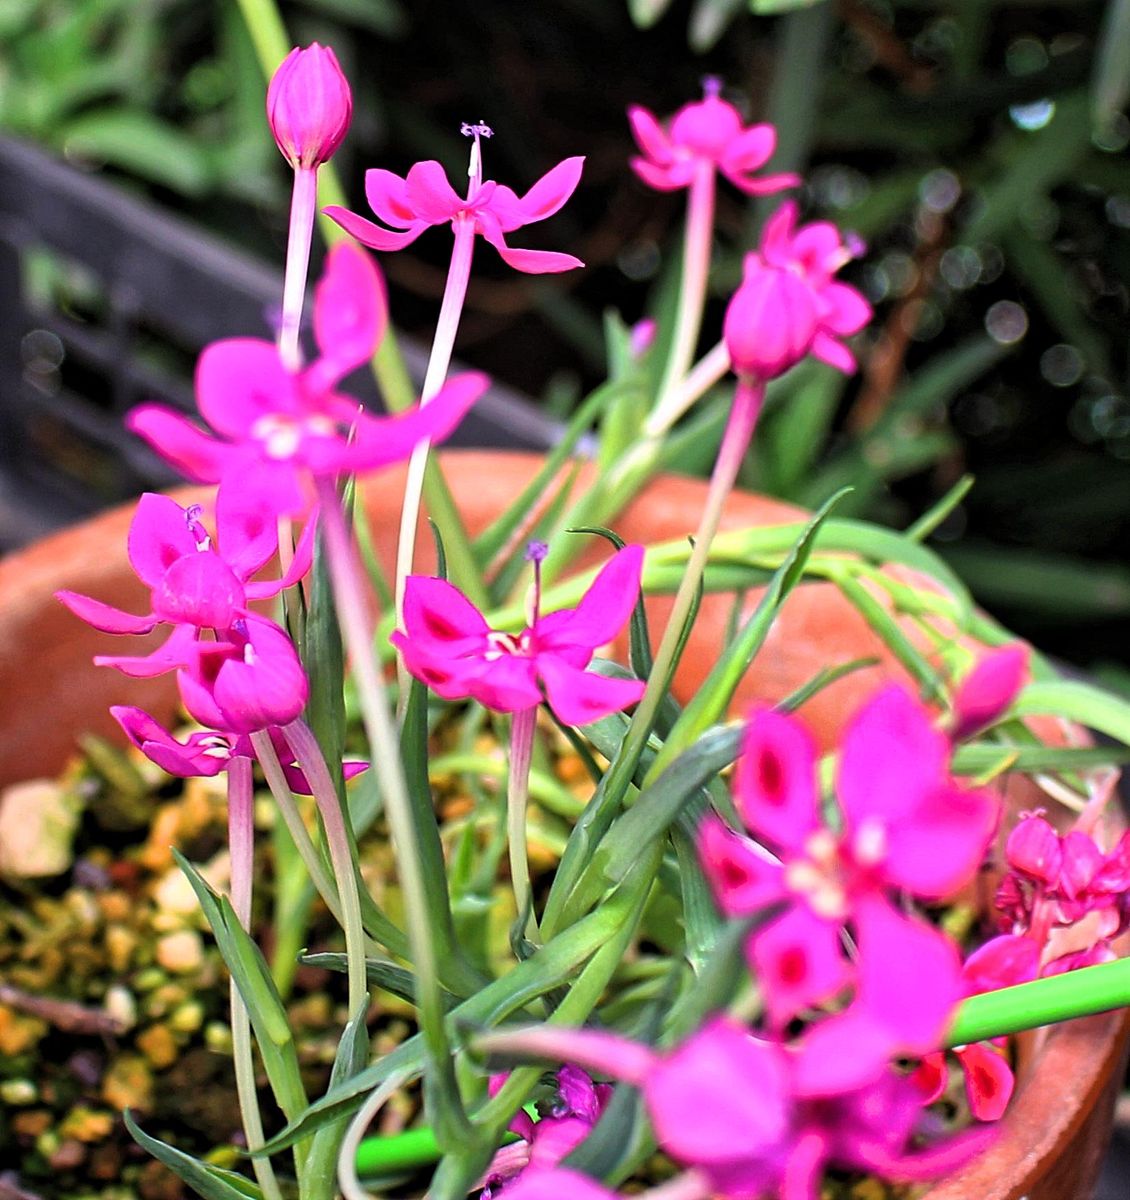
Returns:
(1054, 1135)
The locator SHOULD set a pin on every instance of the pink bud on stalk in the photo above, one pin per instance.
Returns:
(309, 106)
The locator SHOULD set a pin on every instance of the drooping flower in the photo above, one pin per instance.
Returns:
(425, 197)
(193, 580)
(789, 305)
(448, 645)
(707, 134)
(208, 752)
(285, 424)
(571, 1116)
(309, 106)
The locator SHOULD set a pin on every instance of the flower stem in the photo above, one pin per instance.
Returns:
(350, 1185)
(308, 755)
(522, 727)
(1081, 993)
(303, 205)
(284, 798)
(241, 845)
(692, 290)
(349, 599)
(454, 293)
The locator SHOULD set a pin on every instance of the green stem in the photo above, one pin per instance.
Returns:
(522, 727)
(1081, 993)
(284, 798)
(241, 845)
(308, 754)
(349, 599)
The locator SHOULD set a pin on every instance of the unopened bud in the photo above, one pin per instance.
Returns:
(309, 106)
(987, 691)
(1033, 849)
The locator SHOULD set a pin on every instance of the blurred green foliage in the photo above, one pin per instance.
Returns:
(978, 145)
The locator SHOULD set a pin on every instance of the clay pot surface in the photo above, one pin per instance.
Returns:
(1052, 1139)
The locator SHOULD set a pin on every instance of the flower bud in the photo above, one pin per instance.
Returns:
(1033, 849)
(309, 106)
(987, 691)
(770, 321)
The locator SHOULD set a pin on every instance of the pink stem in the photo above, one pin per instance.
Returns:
(303, 206)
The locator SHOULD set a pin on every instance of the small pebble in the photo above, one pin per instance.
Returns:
(181, 952)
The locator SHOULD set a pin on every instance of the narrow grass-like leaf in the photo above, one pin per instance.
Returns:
(820, 681)
(1090, 706)
(253, 978)
(892, 634)
(491, 541)
(209, 1182)
(713, 697)
(980, 758)
(378, 971)
(937, 513)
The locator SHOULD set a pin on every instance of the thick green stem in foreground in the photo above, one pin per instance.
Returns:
(350, 601)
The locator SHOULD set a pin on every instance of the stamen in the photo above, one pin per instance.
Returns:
(475, 166)
(535, 553)
(192, 515)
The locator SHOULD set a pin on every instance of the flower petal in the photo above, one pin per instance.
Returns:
(798, 961)
(196, 454)
(368, 233)
(177, 651)
(246, 525)
(104, 617)
(379, 441)
(581, 697)
(989, 688)
(761, 185)
(845, 310)
(350, 312)
(988, 1081)
(387, 195)
(604, 609)
(892, 759)
(663, 178)
(835, 354)
(743, 876)
(238, 382)
(533, 262)
(429, 193)
(202, 754)
(266, 685)
(775, 787)
(159, 534)
(436, 611)
(545, 198)
(752, 148)
(650, 136)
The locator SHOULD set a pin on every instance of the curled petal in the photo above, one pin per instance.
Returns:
(265, 685)
(846, 311)
(369, 233)
(246, 524)
(300, 565)
(103, 616)
(202, 754)
(664, 178)
(1033, 849)
(200, 589)
(752, 148)
(159, 534)
(177, 651)
(545, 198)
(650, 135)
(835, 354)
(743, 876)
(761, 185)
(988, 1081)
(533, 262)
(387, 195)
(1001, 962)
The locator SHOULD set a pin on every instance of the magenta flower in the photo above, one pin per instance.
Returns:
(208, 752)
(425, 198)
(789, 305)
(707, 134)
(906, 828)
(448, 645)
(573, 1113)
(287, 425)
(309, 106)
(193, 582)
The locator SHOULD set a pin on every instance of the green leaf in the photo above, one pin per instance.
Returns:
(378, 971)
(891, 632)
(253, 979)
(980, 758)
(645, 13)
(713, 697)
(207, 1181)
(143, 145)
(1090, 706)
(491, 541)
(937, 513)
(820, 681)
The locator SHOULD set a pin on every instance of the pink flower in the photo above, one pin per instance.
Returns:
(905, 828)
(287, 425)
(705, 134)
(208, 752)
(989, 688)
(448, 645)
(194, 582)
(575, 1110)
(309, 106)
(789, 305)
(425, 198)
